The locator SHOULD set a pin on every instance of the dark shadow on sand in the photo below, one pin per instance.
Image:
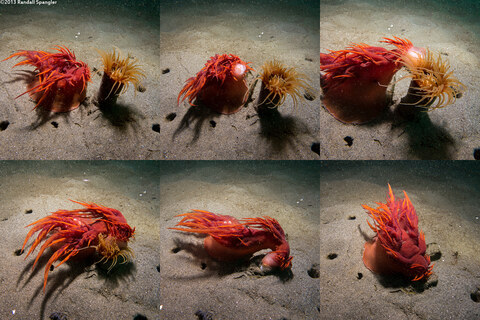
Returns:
(280, 131)
(208, 267)
(120, 273)
(59, 280)
(44, 116)
(426, 140)
(120, 116)
(196, 117)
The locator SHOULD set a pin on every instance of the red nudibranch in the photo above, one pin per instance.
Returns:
(219, 85)
(230, 239)
(398, 247)
(102, 230)
(355, 79)
(60, 81)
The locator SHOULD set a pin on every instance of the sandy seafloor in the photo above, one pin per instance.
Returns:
(191, 281)
(84, 133)
(450, 28)
(257, 31)
(79, 289)
(445, 196)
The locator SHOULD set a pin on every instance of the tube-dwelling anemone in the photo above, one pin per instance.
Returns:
(279, 82)
(113, 251)
(431, 80)
(117, 75)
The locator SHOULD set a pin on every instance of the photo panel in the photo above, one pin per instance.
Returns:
(398, 80)
(399, 238)
(80, 239)
(240, 80)
(239, 239)
(80, 79)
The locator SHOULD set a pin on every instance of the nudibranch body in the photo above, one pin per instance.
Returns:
(398, 247)
(355, 79)
(229, 239)
(219, 85)
(101, 229)
(355, 82)
(60, 81)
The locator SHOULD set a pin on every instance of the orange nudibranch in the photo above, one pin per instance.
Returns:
(104, 230)
(355, 79)
(220, 85)
(399, 246)
(60, 80)
(229, 239)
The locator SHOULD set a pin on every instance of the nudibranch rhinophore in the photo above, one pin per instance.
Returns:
(60, 81)
(95, 228)
(117, 75)
(229, 239)
(219, 85)
(398, 247)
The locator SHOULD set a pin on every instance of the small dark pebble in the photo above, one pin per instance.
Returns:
(308, 59)
(94, 69)
(171, 116)
(158, 268)
(352, 217)
(58, 316)
(176, 249)
(28, 211)
(359, 275)
(203, 266)
(51, 268)
(433, 251)
(475, 295)
(18, 252)
(476, 154)
(4, 125)
(314, 271)
(204, 315)
(332, 256)
(141, 88)
(54, 124)
(315, 147)
(156, 127)
(348, 140)
(309, 96)
(139, 316)
(167, 70)
(213, 124)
